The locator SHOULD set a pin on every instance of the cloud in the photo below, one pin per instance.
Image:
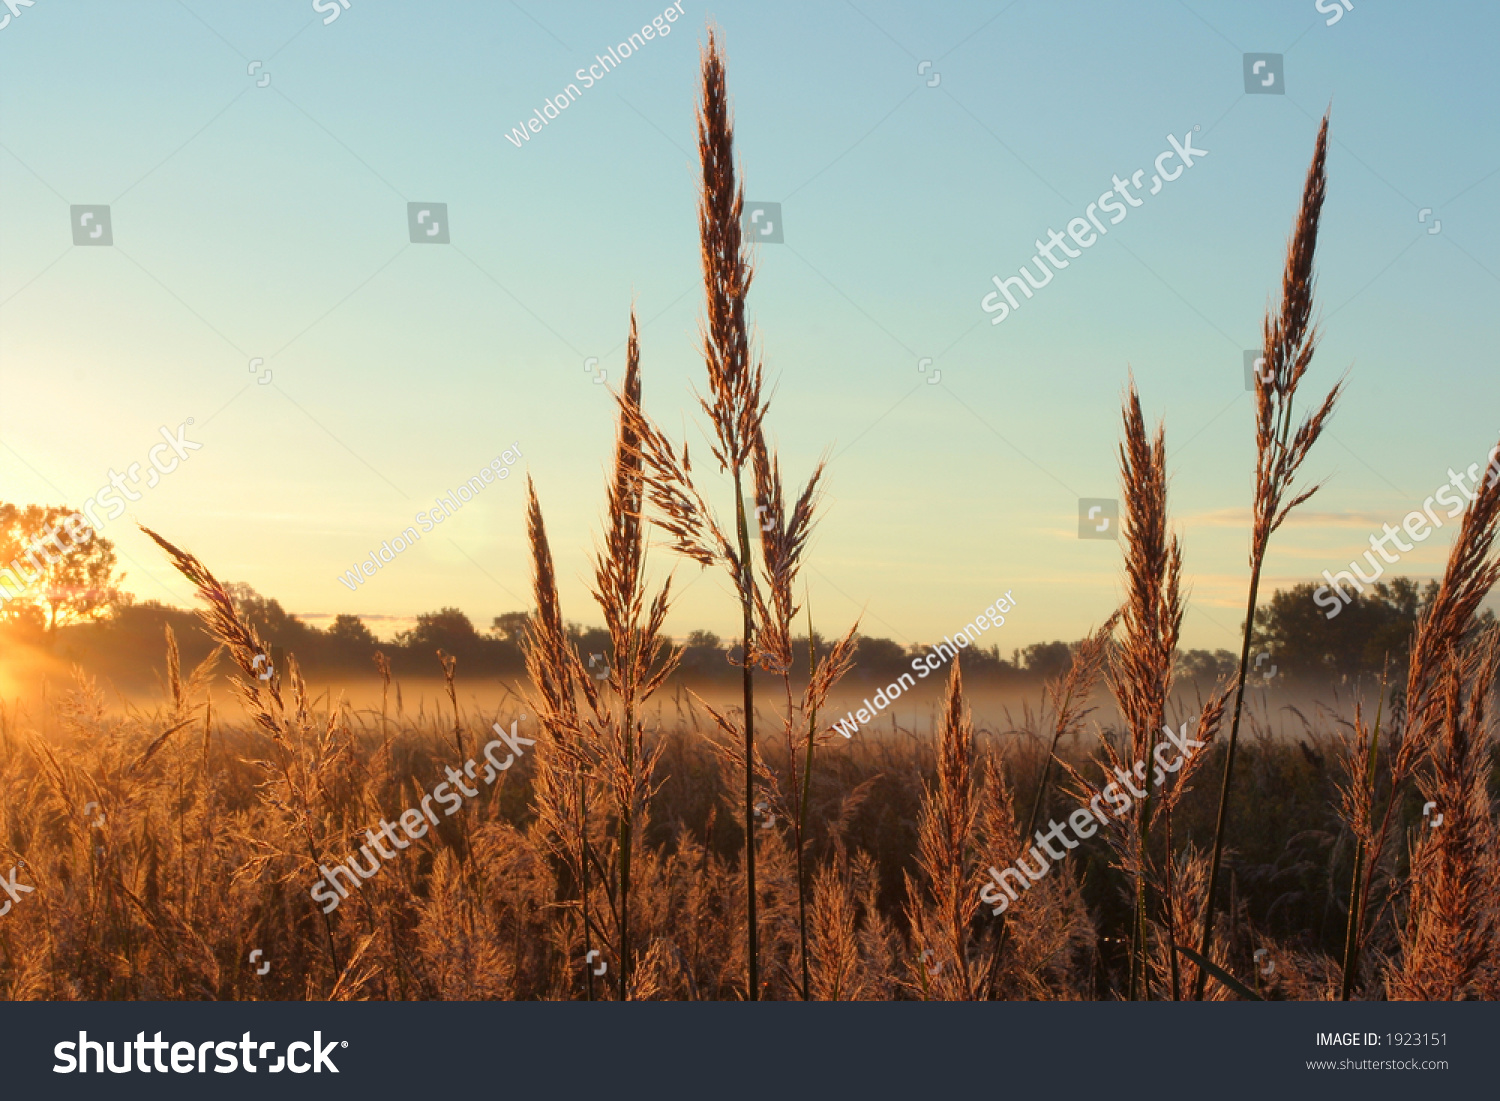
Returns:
(1302, 518)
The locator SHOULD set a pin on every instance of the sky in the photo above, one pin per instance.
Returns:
(258, 159)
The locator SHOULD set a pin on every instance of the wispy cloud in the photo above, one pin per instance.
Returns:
(1240, 518)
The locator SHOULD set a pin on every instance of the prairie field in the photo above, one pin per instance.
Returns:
(204, 834)
(232, 803)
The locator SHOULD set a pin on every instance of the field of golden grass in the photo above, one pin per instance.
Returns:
(646, 843)
(166, 844)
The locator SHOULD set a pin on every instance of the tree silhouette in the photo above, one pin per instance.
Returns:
(351, 631)
(1372, 629)
(54, 568)
(510, 627)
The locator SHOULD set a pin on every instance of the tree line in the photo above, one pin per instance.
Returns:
(74, 606)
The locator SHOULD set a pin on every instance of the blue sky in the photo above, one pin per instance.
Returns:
(270, 221)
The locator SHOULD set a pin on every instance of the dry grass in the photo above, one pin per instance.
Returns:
(736, 410)
(1290, 338)
(202, 855)
(699, 862)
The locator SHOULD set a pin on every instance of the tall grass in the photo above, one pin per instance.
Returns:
(609, 840)
(1068, 696)
(1448, 681)
(202, 857)
(736, 408)
(599, 746)
(1140, 675)
(1290, 338)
